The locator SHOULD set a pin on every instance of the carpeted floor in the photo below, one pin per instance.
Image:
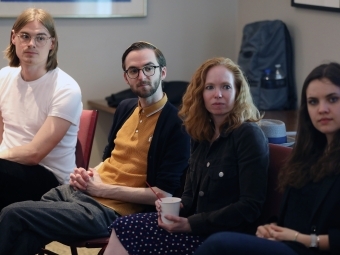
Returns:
(65, 250)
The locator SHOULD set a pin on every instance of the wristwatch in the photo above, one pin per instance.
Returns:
(314, 241)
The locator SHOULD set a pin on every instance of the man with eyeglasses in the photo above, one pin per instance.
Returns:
(146, 144)
(40, 108)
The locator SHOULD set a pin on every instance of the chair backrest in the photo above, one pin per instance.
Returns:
(277, 156)
(87, 128)
(175, 91)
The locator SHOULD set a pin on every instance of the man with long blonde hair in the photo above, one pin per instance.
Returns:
(40, 107)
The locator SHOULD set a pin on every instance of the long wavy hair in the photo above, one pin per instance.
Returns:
(47, 21)
(196, 117)
(312, 159)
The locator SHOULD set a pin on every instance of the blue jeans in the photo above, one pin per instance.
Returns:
(225, 243)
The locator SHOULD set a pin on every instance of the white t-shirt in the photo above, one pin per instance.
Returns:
(25, 106)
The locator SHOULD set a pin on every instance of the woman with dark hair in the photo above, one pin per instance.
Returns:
(227, 180)
(309, 221)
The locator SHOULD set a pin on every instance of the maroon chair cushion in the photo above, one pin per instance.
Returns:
(87, 127)
(277, 156)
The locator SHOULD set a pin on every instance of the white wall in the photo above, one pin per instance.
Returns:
(315, 34)
(187, 31)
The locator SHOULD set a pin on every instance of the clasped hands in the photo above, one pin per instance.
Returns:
(276, 233)
(87, 181)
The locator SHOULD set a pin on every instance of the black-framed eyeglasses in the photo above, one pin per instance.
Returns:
(40, 40)
(133, 72)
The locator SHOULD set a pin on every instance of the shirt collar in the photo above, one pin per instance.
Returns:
(154, 108)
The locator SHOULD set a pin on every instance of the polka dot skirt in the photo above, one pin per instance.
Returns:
(140, 234)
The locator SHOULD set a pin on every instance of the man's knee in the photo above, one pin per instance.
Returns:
(14, 211)
(60, 193)
(9, 214)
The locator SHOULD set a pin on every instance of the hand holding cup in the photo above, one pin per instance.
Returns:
(169, 206)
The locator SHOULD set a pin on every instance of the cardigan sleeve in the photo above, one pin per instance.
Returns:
(169, 151)
(123, 111)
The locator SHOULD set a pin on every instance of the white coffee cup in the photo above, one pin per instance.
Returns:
(169, 206)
